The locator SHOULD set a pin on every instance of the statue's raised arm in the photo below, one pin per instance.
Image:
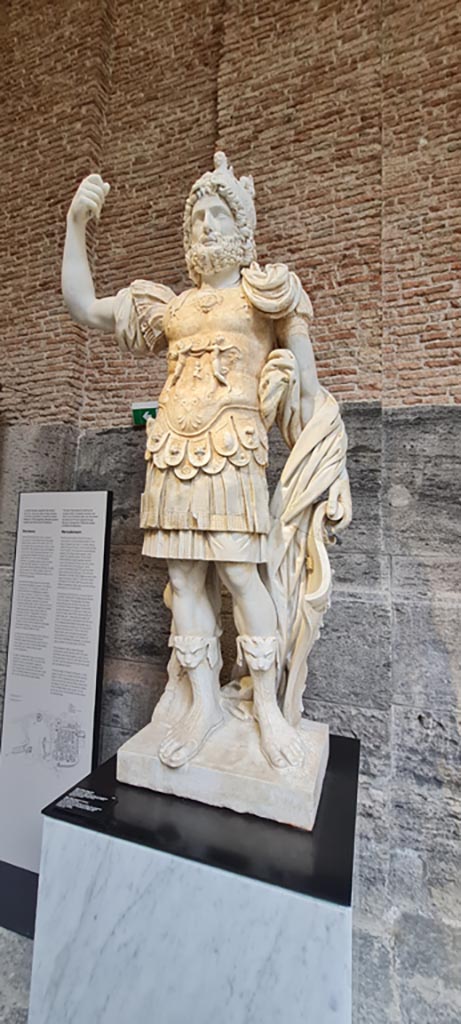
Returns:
(134, 314)
(77, 282)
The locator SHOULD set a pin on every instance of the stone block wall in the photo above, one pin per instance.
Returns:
(347, 114)
(387, 670)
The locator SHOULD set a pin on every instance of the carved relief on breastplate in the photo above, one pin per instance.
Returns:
(207, 376)
(217, 346)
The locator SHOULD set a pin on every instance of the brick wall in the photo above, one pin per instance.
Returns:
(346, 112)
(421, 121)
(54, 75)
(300, 104)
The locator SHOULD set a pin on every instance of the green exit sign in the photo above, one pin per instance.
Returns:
(141, 411)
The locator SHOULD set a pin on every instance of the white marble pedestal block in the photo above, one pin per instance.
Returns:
(199, 916)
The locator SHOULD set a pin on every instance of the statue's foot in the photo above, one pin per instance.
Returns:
(186, 738)
(176, 699)
(280, 742)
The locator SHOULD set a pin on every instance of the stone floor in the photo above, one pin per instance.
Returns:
(15, 968)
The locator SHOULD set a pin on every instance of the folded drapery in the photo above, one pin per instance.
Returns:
(298, 573)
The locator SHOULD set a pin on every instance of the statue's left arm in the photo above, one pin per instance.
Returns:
(293, 333)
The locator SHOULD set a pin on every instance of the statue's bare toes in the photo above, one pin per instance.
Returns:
(167, 751)
(274, 755)
(177, 749)
(294, 753)
(286, 755)
(280, 743)
(185, 740)
(182, 754)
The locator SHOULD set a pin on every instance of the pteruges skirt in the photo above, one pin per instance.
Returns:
(220, 517)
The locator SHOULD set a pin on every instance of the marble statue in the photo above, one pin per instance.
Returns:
(239, 359)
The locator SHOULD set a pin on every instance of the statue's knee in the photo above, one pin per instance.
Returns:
(237, 577)
(185, 578)
(178, 580)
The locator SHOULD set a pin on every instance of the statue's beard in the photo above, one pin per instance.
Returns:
(222, 251)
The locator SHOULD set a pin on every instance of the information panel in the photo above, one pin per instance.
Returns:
(54, 667)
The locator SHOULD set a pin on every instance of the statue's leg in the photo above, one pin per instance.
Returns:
(196, 645)
(256, 622)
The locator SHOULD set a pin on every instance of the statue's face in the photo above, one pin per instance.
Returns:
(216, 242)
(211, 217)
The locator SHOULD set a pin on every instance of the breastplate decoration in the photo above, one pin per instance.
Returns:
(209, 408)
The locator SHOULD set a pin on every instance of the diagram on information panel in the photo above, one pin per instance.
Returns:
(54, 740)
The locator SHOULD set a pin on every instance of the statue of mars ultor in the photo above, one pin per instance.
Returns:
(239, 359)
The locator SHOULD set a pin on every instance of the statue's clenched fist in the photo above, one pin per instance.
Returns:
(89, 199)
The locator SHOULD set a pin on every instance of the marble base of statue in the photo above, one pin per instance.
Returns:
(231, 771)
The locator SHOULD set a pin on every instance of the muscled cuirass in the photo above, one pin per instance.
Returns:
(208, 409)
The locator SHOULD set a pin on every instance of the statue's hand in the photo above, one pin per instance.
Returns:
(89, 199)
(339, 506)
